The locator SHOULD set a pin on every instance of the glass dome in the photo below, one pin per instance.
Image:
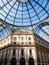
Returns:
(24, 12)
(42, 30)
(4, 30)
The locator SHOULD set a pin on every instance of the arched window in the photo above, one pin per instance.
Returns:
(13, 61)
(31, 61)
(22, 52)
(5, 61)
(38, 61)
(14, 52)
(30, 51)
(38, 58)
(22, 61)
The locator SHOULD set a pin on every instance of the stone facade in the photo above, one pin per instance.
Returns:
(25, 46)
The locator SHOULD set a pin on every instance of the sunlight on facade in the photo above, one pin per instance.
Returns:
(24, 32)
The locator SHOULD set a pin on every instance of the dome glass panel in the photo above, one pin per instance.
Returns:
(42, 30)
(24, 12)
(4, 30)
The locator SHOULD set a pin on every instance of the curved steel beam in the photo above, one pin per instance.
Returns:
(43, 24)
(45, 32)
(21, 26)
(29, 16)
(35, 11)
(39, 27)
(41, 7)
(15, 15)
(9, 11)
(5, 4)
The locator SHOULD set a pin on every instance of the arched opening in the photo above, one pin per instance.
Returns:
(38, 61)
(5, 61)
(30, 51)
(13, 61)
(14, 52)
(22, 61)
(1, 61)
(31, 61)
(22, 51)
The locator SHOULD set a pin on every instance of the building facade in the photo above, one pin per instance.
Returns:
(24, 48)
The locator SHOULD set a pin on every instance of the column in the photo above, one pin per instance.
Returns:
(27, 56)
(34, 55)
(11, 53)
